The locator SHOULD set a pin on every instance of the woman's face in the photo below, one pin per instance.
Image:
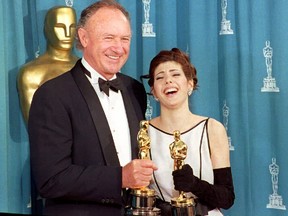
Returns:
(170, 84)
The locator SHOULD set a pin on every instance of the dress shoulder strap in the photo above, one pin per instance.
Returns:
(205, 128)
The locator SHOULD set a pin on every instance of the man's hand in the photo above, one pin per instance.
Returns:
(137, 173)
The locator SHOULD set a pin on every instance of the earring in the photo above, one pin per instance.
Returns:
(156, 99)
(190, 92)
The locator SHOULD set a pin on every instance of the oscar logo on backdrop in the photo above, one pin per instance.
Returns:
(225, 24)
(275, 200)
(59, 28)
(149, 110)
(69, 3)
(269, 83)
(225, 110)
(147, 27)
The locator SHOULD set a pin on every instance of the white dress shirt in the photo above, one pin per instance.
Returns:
(115, 112)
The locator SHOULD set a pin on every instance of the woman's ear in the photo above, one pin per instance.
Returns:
(190, 84)
(152, 91)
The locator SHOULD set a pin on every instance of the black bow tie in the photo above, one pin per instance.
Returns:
(104, 85)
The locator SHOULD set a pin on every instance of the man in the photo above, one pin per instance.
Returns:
(59, 28)
(83, 136)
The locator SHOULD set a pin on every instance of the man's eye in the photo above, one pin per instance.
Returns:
(158, 78)
(177, 74)
(126, 39)
(108, 38)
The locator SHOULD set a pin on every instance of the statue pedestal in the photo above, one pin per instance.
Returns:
(147, 30)
(143, 203)
(226, 27)
(276, 202)
(269, 85)
(182, 206)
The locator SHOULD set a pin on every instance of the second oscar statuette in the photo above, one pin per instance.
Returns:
(143, 199)
(181, 205)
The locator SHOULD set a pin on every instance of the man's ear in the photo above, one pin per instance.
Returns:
(83, 36)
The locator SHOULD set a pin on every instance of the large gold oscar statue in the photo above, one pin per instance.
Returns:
(143, 199)
(181, 205)
(59, 28)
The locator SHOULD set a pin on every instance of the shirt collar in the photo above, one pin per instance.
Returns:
(94, 74)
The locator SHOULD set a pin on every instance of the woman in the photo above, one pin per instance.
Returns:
(206, 174)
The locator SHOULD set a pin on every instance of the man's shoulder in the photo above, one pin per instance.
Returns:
(61, 83)
(128, 79)
(125, 76)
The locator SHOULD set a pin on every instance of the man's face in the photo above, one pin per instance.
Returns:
(106, 41)
(60, 31)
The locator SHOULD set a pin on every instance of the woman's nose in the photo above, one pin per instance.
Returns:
(168, 80)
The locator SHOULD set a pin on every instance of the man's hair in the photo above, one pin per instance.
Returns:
(91, 10)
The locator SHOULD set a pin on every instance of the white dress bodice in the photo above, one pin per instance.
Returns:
(198, 157)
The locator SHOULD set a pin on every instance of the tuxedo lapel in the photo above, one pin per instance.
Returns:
(97, 114)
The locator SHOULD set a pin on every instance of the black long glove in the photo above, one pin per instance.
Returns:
(219, 195)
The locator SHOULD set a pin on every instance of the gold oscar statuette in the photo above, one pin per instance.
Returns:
(181, 205)
(143, 199)
(59, 28)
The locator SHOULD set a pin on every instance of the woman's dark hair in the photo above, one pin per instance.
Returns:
(175, 55)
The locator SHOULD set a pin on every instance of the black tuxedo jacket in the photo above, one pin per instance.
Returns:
(73, 157)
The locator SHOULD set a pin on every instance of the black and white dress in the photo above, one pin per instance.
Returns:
(198, 157)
